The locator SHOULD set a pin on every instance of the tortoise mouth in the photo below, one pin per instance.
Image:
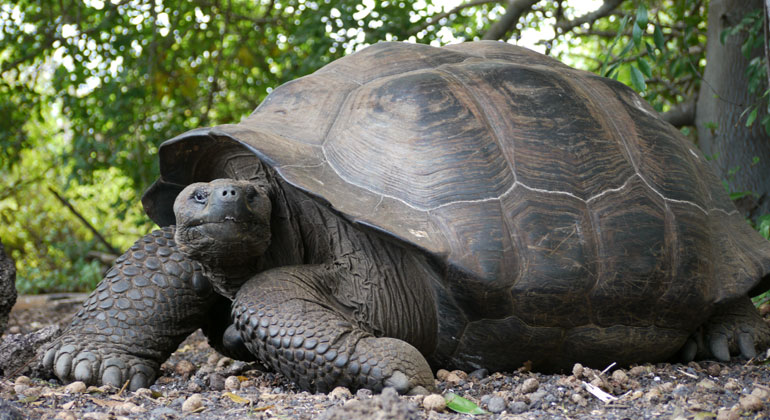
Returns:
(224, 241)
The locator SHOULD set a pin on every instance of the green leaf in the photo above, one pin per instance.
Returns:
(657, 36)
(636, 34)
(752, 117)
(739, 194)
(644, 66)
(459, 404)
(641, 15)
(637, 79)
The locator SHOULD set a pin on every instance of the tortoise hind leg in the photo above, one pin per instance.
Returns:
(735, 328)
(295, 327)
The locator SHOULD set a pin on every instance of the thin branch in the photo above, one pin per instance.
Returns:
(431, 20)
(514, 11)
(83, 219)
(605, 9)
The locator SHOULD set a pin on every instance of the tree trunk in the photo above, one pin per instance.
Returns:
(7, 287)
(723, 98)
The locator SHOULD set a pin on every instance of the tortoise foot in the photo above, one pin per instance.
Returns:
(736, 329)
(75, 358)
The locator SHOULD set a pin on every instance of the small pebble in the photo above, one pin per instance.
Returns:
(518, 407)
(577, 370)
(653, 395)
(232, 383)
(479, 374)
(460, 374)
(194, 402)
(213, 359)
(620, 376)
(453, 379)
(750, 403)
(496, 405)
(706, 384)
(729, 413)
(340, 393)
(224, 362)
(23, 380)
(434, 402)
(97, 416)
(530, 385)
(65, 415)
(714, 370)
(761, 393)
(143, 392)
(77, 387)
(637, 371)
(667, 387)
(194, 386)
(732, 385)
(184, 368)
(14, 330)
(441, 374)
(681, 390)
(579, 400)
(364, 393)
(216, 382)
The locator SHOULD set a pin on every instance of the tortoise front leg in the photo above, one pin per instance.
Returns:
(298, 329)
(141, 311)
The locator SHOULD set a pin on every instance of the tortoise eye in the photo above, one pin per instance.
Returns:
(200, 196)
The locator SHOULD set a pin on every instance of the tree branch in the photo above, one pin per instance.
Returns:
(85, 222)
(430, 20)
(605, 9)
(514, 11)
(681, 115)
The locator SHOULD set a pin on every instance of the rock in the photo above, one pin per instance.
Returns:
(216, 382)
(750, 403)
(530, 385)
(363, 393)
(620, 376)
(63, 415)
(706, 385)
(761, 393)
(441, 374)
(184, 368)
(579, 400)
(192, 403)
(577, 370)
(452, 379)
(434, 402)
(729, 413)
(653, 395)
(340, 393)
(496, 405)
(714, 370)
(478, 374)
(638, 371)
(232, 383)
(77, 387)
(518, 407)
(16, 350)
(732, 385)
(7, 287)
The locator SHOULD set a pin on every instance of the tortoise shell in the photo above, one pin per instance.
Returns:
(547, 192)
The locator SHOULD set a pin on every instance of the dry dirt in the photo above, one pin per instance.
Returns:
(197, 383)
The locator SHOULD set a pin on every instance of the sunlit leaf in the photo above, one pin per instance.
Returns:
(637, 79)
(657, 36)
(644, 66)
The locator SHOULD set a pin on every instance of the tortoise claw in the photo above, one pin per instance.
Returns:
(746, 345)
(719, 347)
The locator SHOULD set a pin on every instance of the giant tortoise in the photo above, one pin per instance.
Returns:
(409, 207)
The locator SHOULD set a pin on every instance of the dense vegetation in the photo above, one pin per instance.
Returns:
(90, 88)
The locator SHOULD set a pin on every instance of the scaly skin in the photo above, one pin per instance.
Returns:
(145, 306)
(288, 324)
(735, 328)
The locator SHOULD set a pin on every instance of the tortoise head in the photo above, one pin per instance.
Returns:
(223, 224)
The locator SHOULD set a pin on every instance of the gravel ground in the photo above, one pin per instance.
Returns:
(197, 383)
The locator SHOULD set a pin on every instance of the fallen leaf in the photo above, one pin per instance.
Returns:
(236, 398)
(461, 405)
